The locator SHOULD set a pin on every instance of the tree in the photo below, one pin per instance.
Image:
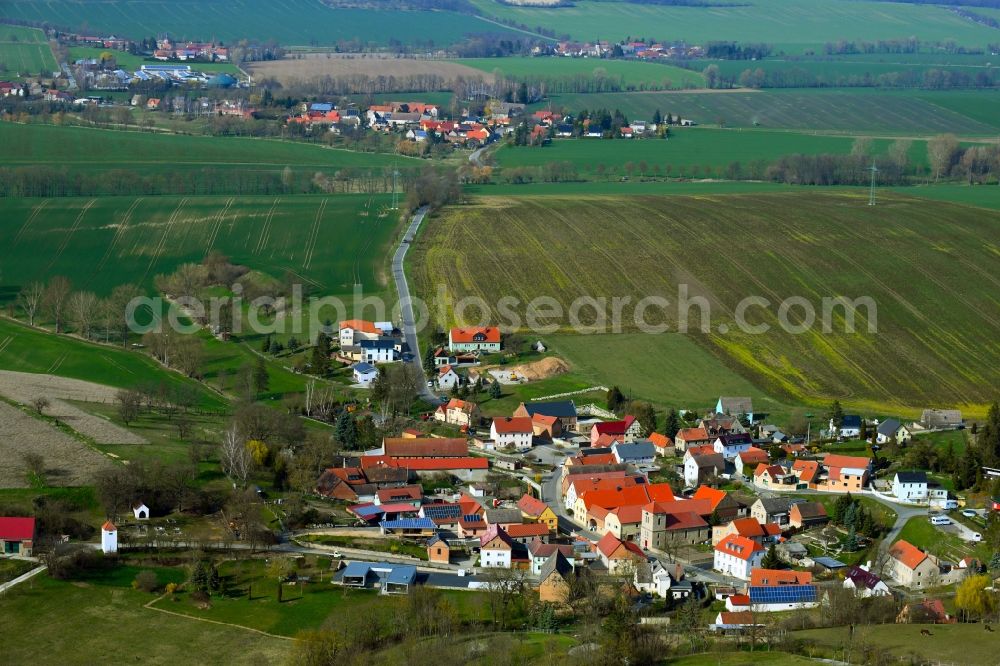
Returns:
(988, 437)
(770, 559)
(644, 414)
(672, 424)
(40, 404)
(83, 312)
(258, 451)
(260, 377)
(35, 464)
(899, 154)
(837, 414)
(974, 600)
(615, 399)
(504, 587)
(146, 581)
(56, 296)
(495, 391)
(711, 74)
(429, 360)
(345, 431)
(941, 153)
(320, 361)
(30, 299)
(234, 457)
(128, 402)
(118, 305)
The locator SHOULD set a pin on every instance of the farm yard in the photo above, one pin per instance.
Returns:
(847, 111)
(311, 66)
(25, 51)
(633, 75)
(133, 62)
(329, 242)
(690, 152)
(67, 461)
(289, 22)
(793, 28)
(812, 245)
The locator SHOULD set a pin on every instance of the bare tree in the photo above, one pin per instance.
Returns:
(56, 296)
(235, 458)
(118, 308)
(40, 404)
(128, 403)
(83, 311)
(503, 588)
(35, 464)
(941, 152)
(30, 299)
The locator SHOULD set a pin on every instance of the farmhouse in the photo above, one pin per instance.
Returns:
(732, 445)
(541, 551)
(736, 556)
(807, 514)
(482, 338)
(864, 582)
(664, 445)
(844, 473)
(563, 410)
(911, 567)
(514, 431)
(910, 486)
(617, 554)
(772, 510)
(746, 527)
(688, 437)
(700, 468)
(17, 536)
(458, 412)
(892, 429)
(629, 429)
(496, 548)
(940, 419)
(748, 460)
(740, 406)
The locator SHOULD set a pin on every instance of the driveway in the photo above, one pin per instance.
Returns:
(406, 305)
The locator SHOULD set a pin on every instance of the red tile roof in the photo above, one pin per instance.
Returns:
(806, 469)
(606, 440)
(610, 499)
(775, 577)
(660, 441)
(610, 546)
(739, 600)
(512, 424)
(836, 460)
(776, 471)
(108, 526)
(713, 495)
(531, 506)
(597, 482)
(748, 527)
(527, 530)
(17, 529)
(628, 515)
(614, 427)
(908, 554)
(692, 434)
(595, 459)
(753, 455)
(495, 532)
(543, 419)
(489, 334)
(739, 547)
(403, 493)
(427, 464)
(425, 447)
(737, 618)
(359, 325)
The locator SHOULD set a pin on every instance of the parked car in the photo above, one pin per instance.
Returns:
(969, 513)
(975, 536)
(940, 520)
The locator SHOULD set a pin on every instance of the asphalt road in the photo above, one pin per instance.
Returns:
(406, 305)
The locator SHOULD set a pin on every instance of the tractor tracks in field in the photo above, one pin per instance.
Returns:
(69, 235)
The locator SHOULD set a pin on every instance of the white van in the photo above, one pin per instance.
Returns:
(949, 505)
(940, 520)
(975, 536)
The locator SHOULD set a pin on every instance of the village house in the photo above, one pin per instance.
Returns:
(364, 374)
(719, 502)
(629, 429)
(425, 447)
(353, 331)
(778, 577)
(438, 550)
(536, 511)
(747, 461)
(553, 584)
(622, 521)
(458, 412)
(669, 524)
(471, 526)
(524, 533)
(512, 431)
(617, 555)
(740, 406)
(411, 495)
(773, 476)
(807, 514)
(638, 453)
(663, 445)
(740, 620)
(736, 556)
(504, 517)
(689, 437)
(892, 429)
(747, 527)
(910, 486)
(772, 510)
(563, 410)
(540, 551)
(850, 427)
(496, 548)
(701, 468)
(580, 484)
(17, 536)
(864, 582)
(845, 473)
(481, 338)
(925, 611)
(444, 515)
(721, 424)
(807, 472)
(732, 445)
(546, 427)
(447, 378)
(911, 567)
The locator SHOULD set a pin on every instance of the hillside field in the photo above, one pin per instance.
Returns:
(928, 267)
(688, 152)
(24, 51)
(330, 242)
(289, 22)
(790, 26)
(845, 110)
(633, 74)
(86, 148)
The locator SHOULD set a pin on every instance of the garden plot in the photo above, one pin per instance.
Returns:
(68, 462)
(24, 387)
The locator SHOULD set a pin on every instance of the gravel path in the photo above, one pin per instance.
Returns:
(23, 387)
(68, 462)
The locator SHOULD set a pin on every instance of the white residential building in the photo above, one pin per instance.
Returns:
(910, 486)
(515, 431)
(737, 556)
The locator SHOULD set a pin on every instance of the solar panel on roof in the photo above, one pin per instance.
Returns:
(783, 594)
(445, 511)
(408, 524)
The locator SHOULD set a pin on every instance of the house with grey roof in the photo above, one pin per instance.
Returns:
(910, 486)
(641, 452)
(892, 429)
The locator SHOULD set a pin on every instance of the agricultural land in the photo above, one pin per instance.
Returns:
(24, 51)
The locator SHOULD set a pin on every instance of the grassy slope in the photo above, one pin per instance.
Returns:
(847, 110)
(951, 643)
(78, 147)
(30, 350)
(936, 328)
(791, 26)
(290, 22)
(24, 51)
(127, 239)
(688, 147)
(92, 613)
(634, 74)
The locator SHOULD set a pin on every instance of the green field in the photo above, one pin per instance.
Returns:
(791, 26)
(289, 22)
(982, 196)
(634, 75)
(25, 51)
(131, 62)
(928, 267)
(92, 612)
(849, 111)
(331, 242)
(948, 644)
(90, 149)
(688, 152)
(832, 71)
(30, 350)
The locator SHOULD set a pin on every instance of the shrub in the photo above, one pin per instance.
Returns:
(171, 588)
(146, 581)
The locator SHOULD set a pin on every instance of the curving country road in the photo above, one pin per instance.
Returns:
(406, 303)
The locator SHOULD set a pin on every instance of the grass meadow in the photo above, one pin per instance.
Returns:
(25, 51)
(689, 152)
(289, 22)
(634, 75)
(949, 643)
(793, 27)
(847, 110)
(330, 242)
(924, 264)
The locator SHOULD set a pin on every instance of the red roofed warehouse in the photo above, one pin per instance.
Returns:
(482, 338)
(17, 536)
